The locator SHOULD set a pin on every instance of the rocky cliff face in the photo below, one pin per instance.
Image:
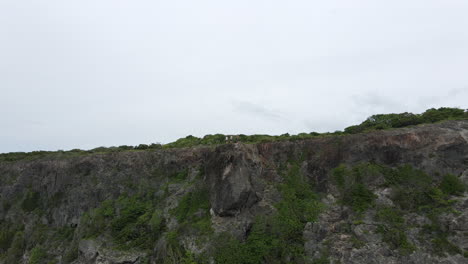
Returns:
(388, 201)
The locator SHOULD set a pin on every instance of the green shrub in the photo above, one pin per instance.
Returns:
(275, 238)
(7, 233)
(16, 249)
(413, 189)
(359, 198)
(96, 220)
(174, 252)
(386, 121)
(350, 182)
(452, 185)
(441, 246)
(393, 229)
(157, 220)
(390, 215)
(180, 176)
(38, 255)
(64, 233)
(142, 147)
(39, 234)
(258, 248)
(416, 191)
(192, 212)
(444, 113)
(396, 238)
(188, 141)
(191, 203)
(339, 173)
(131, 221)
(130, 227)
(31, 201)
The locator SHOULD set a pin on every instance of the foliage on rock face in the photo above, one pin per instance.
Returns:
(31, 201)
(38, 255)
(452, 185)
(351, 183)
(393, 229)
(16, 249)
(276, 238)
(191, 203)
(179, 176)
(193, 219)
(413, 191)
(38, 239)
(416, 191)
(193, 211)
(8, 231)
(132, 221)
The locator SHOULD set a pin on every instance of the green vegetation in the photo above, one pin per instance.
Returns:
(393, 229)
(15, 156)
(438, 236)
(351, 183)
(193, 214)
(180, 176)
(375, 122)
(175, 253)
(31, 201)
(416, 191)
(16, 249)
(38, 255)
(8, 232)
(386, 121)
(193, 202)
(193, 217)
(275, 238)
(412, 191)
(452, 185)
(132, 221)
(38, 239)
(359, 197)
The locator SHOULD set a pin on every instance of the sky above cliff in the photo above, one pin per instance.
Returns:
(83, 74)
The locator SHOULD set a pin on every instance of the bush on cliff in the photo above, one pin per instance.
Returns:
(275, 238)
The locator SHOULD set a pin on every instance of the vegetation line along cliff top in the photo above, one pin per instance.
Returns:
(375, 122)
(393, 196)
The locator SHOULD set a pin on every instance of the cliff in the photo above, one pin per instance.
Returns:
(390, 196)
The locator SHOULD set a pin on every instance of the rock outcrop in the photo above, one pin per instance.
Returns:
(45, 201)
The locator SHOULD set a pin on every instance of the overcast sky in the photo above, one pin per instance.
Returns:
(89, 73)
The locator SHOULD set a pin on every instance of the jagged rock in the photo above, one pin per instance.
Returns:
(89, 250)
(92, 251)
(231, 170)
(242, 182)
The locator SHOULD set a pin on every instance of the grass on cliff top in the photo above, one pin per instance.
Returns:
(375, 122)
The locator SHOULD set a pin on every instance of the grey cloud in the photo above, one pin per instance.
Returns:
(257, 110)
(375, 101)
(451, 95)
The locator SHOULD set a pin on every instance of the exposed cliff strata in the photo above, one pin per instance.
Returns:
(44, 201)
